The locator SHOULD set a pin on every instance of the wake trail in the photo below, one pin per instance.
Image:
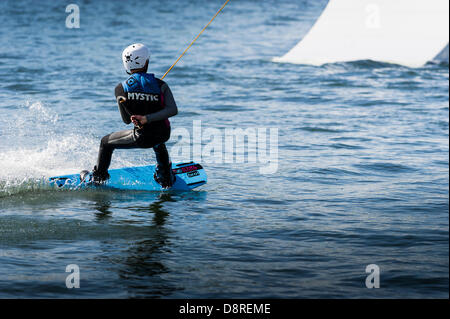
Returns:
(33, 153)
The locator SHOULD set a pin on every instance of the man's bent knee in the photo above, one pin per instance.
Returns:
(105, 140)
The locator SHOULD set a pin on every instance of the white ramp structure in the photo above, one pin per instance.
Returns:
(405, 32)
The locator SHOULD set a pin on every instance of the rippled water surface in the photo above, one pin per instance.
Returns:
(362, 160)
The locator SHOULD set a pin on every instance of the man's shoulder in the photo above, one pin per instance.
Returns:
(163, 85)
(159, 80)
(125, 83)
(119, 89)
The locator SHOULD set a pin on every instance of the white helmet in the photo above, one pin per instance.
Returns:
(135, 56)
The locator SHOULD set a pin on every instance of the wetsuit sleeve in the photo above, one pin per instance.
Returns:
(170, 108)
(123, 111)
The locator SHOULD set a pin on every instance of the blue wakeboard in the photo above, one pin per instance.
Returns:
(187, 176)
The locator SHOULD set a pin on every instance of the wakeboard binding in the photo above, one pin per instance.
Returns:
(164, 176)
(84, 176)
(95, 177)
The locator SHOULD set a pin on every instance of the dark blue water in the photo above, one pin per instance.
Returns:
(362, 173)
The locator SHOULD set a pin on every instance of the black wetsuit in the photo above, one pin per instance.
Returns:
(152, 135)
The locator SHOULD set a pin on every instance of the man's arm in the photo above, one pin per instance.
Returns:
(170, 108)
(120, 97)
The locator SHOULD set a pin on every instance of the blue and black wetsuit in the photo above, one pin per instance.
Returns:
(148, 96)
